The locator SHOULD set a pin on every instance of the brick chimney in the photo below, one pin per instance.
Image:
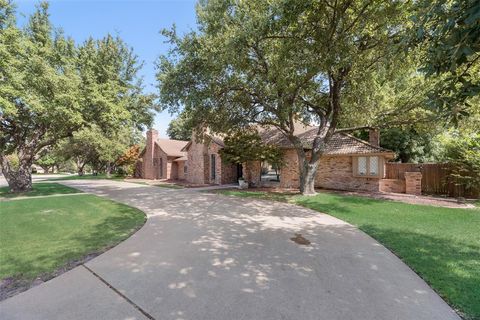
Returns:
(374, 137)
(149, 170)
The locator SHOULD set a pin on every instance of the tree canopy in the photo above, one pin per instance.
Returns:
(245, 146)
(448, 32)
(274, 63)
(180, 128)
(51, 87)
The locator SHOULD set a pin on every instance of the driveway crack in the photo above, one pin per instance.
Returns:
(136, 306)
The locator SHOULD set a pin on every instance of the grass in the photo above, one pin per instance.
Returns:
(39, 236)
(39, 189)
(88, 177)
(441, 244)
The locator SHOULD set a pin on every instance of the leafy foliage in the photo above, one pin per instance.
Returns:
(410, 144)
(413, 143)
(180, 128)
(448, 30)
(47, 159)
(281, 62)
(51, 88)
(90, 146)
(245, 146)
(462, 149)
(129, 159)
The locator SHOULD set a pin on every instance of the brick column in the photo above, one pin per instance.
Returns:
(149, 169)
(413, 183)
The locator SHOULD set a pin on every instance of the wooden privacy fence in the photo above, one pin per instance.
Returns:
(436, 178)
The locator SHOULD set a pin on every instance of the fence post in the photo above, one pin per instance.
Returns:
(413, 183)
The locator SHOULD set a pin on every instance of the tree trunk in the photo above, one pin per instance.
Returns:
(108, 169)
(19, 179)
(308, 172)
(80, 166)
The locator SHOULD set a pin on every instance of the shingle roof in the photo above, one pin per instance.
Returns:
(342, 143)
(339, 144)
(173, 148)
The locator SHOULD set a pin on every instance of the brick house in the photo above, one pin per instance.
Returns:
(348, 163)
(162, 158)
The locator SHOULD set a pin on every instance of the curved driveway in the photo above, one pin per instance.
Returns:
(206, 256)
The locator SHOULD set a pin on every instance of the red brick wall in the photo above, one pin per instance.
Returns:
(229, 173)
(334, 172)
(413, 183)
(180, 169)
(151, 159)
(196, 163)
(199, 165)
(392, 185)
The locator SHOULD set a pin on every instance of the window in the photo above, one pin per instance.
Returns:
(362, 166)
(367, 166)
(373, 166)
(185, 169)
(213, 166)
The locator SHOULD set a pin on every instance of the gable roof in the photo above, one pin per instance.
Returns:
(342, 143)
(213, 138)
(173, 148)
(339, 144)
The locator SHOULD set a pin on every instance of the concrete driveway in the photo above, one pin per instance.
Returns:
(205, 256)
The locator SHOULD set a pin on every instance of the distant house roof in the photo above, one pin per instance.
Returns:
(173, 148)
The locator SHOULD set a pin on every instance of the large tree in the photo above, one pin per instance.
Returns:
(449, 31)
(51, 88)
(90, 146)
(180, 128)
(274, 63)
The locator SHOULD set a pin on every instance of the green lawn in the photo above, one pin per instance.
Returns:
(39, 236)
(39, 189)
(441, 244)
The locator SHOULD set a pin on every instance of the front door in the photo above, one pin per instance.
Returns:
(239, 171)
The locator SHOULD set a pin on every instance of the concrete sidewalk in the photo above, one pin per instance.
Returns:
(208, 256)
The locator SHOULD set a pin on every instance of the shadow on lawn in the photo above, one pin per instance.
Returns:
(39, 189)
(102, 237)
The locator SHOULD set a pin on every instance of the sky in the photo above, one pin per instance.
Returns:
(137, 22)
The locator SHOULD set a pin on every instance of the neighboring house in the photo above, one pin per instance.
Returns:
(347, 164)
(162, 158)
